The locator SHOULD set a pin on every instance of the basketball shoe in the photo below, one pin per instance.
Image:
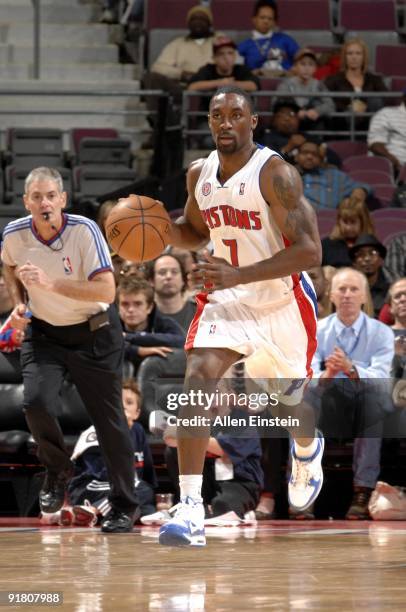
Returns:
(306, 478)
(84, 515)
(186, 527)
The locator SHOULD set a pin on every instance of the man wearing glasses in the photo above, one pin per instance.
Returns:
(368, 256)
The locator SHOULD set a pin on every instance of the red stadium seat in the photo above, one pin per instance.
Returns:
(390, 60)
(372, 177)
(366, 162)
(384, 193)
(304, 15)
(367, 15)
(346, 148)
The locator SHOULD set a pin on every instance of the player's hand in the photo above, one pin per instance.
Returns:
(31, 275)
(19, 321)
(214, 273)
(147, 351)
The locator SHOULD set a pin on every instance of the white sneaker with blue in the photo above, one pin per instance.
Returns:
(306, 478)
(186, 527)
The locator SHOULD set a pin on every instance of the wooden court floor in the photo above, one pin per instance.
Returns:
(279, 565)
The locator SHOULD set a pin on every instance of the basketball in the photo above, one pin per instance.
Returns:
(137, 228)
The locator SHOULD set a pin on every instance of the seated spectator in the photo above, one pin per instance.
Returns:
(146, 331)
(187, 259)
(285, 135)
(387, 133)
(103, 212)
(268, 52)
(321, 279)
(223, 70)
(355, 77)
(305, 90)
(6, 302)
(351, 367)
(325, 187)
(232, 475)
(353, 219)
(169, 280)
(395, 260)
(183, 56)
(328, 64)
(89, 488)
(397, 303)
(367, 255)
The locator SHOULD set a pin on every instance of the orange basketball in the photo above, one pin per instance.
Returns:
(137, 228)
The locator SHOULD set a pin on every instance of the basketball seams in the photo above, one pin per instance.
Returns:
(150, 224)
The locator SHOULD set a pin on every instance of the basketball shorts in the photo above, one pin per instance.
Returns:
(277, 343)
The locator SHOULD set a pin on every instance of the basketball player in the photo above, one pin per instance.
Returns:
(256, 303)
(61, 264)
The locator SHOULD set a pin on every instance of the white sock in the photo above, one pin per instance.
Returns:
(191, 486)
(306, 451)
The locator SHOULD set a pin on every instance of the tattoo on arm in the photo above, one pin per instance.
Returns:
(297, 220)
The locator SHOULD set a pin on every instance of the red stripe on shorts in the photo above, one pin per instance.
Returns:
(307, 313)
(201, 301)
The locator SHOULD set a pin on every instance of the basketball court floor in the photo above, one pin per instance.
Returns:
(276, 565)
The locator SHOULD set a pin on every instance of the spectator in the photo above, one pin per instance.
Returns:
(103, 212)
(395, 260)
(183, 56)
(320, 277)
(6, 302)
(397, 301)
(268, 52)
(325, 187)
(169, 280)
(387, 133)
(353, 219)
(223, 71)
(306, 89)
(88, 489)
(355, 77)
(285, 135)
(146, 331)
(367, 255)
(353, 359)
(233, 475)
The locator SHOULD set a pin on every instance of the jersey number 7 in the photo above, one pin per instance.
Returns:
(232, 244)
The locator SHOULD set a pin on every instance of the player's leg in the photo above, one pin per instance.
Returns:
(204, 368)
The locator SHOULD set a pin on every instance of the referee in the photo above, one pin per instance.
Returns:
(58, 266)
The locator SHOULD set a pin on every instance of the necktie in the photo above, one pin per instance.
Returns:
(347, 340)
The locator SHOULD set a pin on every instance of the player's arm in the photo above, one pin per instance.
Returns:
(282, 188)
(190, 231)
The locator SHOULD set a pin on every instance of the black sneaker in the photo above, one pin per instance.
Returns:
(117, 522)
(359, 505)
(52, 494)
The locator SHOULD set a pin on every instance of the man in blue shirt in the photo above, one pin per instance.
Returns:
(326, 187)
(352, 367)
(268, 52)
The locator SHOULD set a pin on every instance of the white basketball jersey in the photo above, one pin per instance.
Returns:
(77, 252)
(242, 228)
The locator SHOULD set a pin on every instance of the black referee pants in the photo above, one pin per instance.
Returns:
(94, 362)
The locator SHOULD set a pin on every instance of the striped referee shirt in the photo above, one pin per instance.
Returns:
(77, 252)
(388, 126)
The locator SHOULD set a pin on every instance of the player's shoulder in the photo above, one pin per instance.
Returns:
(195, 167)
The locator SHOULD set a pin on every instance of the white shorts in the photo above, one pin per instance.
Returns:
(278, 343)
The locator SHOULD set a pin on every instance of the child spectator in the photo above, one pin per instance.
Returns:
(89, 487)
(306, 89)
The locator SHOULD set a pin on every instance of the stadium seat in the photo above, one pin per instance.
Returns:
(384, 194)
(304, 15)
(113, 151)
(389, 213)
(33, 147)
(390, 60)
(362, 15)
(346, 148)
(402, 175)
(166, 13)
(77, 134)
(366, 162)
(157, 377)
(388, 228)
(90, 183)
(372, 177)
